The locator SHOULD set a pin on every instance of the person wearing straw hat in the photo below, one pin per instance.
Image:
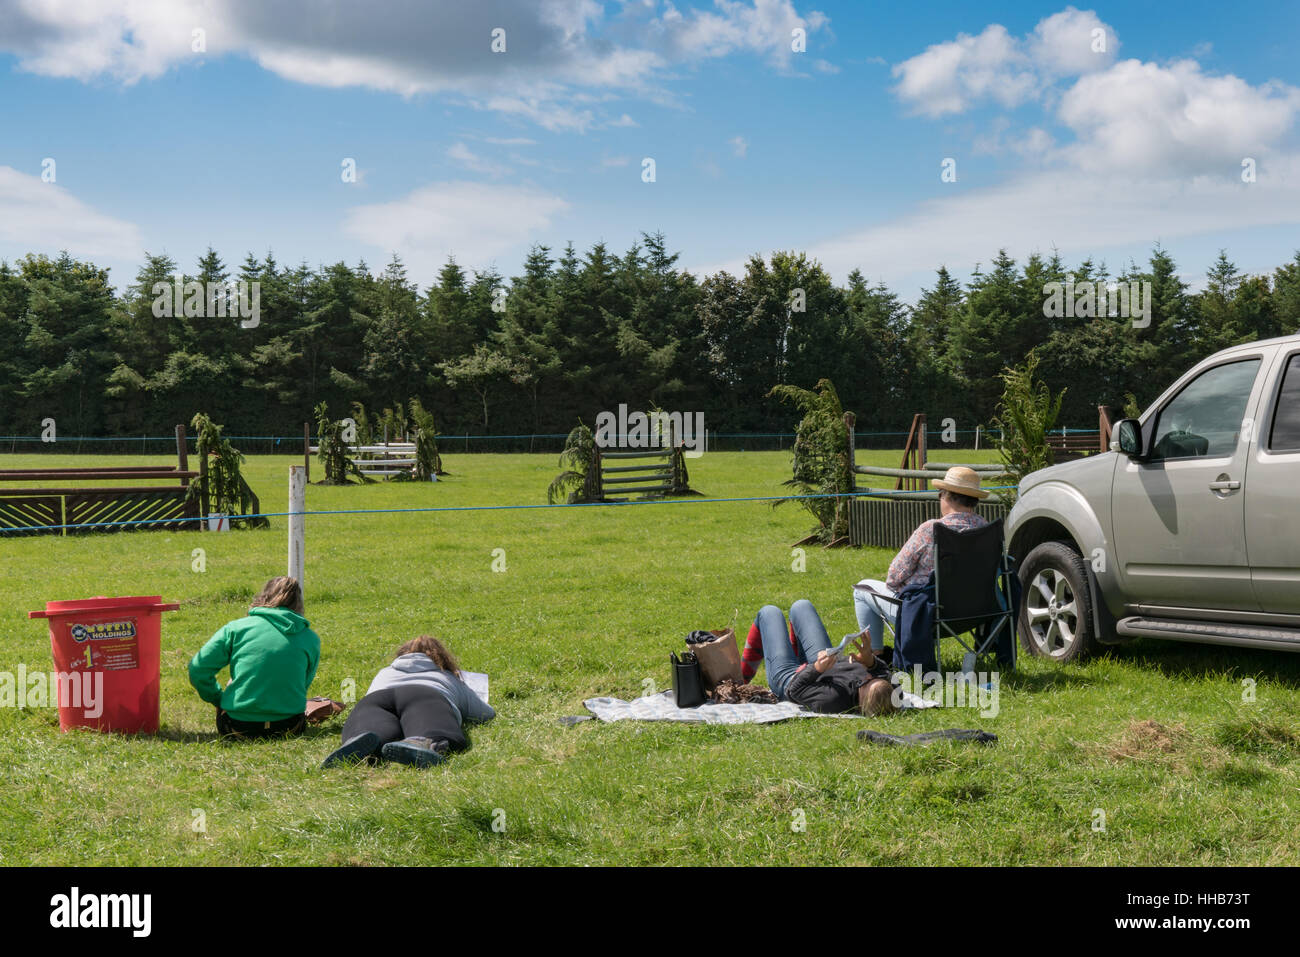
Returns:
(959, 493)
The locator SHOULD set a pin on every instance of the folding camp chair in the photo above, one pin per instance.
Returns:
(972, 591)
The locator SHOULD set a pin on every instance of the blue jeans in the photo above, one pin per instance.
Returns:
(781, 659)
(872, 612)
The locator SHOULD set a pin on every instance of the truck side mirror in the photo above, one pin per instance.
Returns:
(1128, 438)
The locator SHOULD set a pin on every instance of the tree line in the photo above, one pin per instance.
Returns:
(576, 334)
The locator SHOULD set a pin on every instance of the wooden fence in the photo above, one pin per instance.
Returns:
(23, 511)
(662, 472)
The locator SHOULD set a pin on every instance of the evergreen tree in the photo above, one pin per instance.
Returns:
(1164, 345)
(451, 329)
(877, 375)
(1217, 327)
(527, 343)
(993, 332)
(65, 348)
(934, 318)
(395, 340)
(1286, 296)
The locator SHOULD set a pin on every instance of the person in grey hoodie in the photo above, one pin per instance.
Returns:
(414, 712)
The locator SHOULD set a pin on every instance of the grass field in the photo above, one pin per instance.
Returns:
(1156, 736)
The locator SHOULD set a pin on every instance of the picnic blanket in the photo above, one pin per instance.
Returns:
(661, 707)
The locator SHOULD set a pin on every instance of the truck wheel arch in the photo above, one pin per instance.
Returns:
(1044, 524)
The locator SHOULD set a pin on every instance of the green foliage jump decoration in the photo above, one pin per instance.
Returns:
(222, 482)
(573, 485)
(428, 462)
(333, 450)
(365, 429)
(1026, 415)
(822, 464)
(393, 424)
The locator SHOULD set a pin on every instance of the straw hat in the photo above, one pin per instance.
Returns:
(962, 481)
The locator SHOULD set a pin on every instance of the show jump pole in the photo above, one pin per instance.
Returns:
(297, 506)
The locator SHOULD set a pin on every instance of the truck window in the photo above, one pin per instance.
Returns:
(1205, 417)
(1285, 433)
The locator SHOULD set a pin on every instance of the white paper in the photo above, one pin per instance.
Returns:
(477, 682)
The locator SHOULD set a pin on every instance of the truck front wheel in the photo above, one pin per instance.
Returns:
(1056, 610)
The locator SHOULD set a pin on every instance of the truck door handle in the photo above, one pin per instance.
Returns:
(1225, 485)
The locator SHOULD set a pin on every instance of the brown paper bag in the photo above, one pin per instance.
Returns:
(719, 659)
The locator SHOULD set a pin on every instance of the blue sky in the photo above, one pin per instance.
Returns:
(836, 149)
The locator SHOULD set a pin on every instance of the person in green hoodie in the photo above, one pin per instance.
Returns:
(272, 655)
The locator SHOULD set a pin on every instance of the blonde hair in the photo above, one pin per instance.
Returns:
(876, 697)
(435, 649)
(281, 592)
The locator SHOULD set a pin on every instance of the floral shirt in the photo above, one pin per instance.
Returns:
(915, 561)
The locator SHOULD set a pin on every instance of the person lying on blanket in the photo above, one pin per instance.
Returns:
(959, 494)
(801, 667)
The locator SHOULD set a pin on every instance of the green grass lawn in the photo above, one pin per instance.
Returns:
(1156, 735)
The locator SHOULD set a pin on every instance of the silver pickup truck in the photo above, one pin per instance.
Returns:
(1189, 528)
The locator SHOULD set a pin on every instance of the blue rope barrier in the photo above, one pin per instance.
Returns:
(463, 438)
(493, 508)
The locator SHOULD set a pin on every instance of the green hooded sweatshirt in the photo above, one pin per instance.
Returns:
(272, 656)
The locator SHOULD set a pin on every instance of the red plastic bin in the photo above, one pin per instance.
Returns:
(116, 641)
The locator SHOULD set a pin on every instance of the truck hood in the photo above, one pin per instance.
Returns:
(1081, 471)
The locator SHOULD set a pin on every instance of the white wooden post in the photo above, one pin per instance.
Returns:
(297, 506)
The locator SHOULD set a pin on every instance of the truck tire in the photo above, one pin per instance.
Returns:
(1056, 608)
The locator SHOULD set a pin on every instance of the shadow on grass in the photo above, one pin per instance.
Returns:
(1188, 660)
(182, 736)
(1053, 678)
(1059, 678)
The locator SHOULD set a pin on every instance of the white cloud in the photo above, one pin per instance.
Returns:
(128, 40)
(1149, 118)
(544, 113)
(1078, 213)
(1072, 43)
(474, 222)
(462, 154)
(1154, 154)
(950, 77)
(739, 146)
(36, 216)
(554, 49)
(1033, 144)
(765, 27)
(1138, 118)
(953, 76)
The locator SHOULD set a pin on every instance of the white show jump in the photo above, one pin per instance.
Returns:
(380, 460)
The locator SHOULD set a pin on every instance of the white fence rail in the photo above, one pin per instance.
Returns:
(380, 460)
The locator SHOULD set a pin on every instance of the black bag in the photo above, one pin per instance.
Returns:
(688, 680)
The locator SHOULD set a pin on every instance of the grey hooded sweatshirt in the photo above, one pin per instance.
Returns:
(418, 670)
